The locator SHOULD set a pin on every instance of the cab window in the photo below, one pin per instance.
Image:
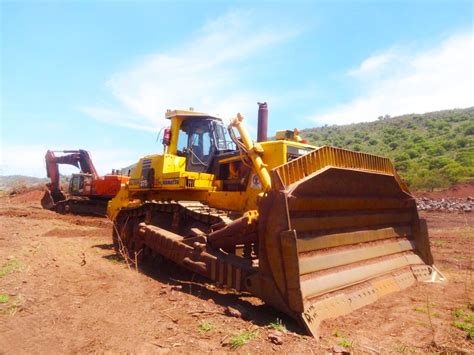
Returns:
(182, 140)
(220, 134)
(200, 143)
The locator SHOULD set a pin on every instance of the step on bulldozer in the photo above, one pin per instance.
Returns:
(87, 193)
(316, 232)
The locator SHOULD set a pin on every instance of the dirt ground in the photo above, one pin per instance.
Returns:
(458, 191)
(63, 289)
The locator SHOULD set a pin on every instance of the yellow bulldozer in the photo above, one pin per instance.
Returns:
(316, 232)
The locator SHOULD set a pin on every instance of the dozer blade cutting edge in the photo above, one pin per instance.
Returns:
(338, 230)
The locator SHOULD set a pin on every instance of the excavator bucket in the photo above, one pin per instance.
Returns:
(337, 231)
(51, 198)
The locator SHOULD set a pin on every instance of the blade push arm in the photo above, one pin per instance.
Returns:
(253, 150)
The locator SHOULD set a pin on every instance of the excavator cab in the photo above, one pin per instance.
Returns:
(76, 183)
(80, 184)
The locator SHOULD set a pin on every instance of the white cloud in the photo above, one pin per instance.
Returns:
(372, 64)
(116, 118)
(207, 73)
(403, 81)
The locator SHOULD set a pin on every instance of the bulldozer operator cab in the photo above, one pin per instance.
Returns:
(200, 140)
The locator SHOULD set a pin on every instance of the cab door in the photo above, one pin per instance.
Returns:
(201, 146)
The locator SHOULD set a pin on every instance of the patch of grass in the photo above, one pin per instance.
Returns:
(469, 329)
(205, 326)
(461, 325)
(10, 306)
(115, 259)
(469, 318)
(420, 310)
(10, 266)
(278, 325)
(458, 312)
(337, 333)
(345, 343)
(437, 243)
(464, 321)
(4, 298)
(242, 339)
(402, 348)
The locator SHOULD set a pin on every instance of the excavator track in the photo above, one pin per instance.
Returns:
(82, 206)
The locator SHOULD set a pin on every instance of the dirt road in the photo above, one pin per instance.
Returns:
(63, 289)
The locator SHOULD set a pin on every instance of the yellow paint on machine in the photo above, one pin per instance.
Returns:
(334, 230)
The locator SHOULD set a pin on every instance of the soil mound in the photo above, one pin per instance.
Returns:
(458, 191)
(27, 195)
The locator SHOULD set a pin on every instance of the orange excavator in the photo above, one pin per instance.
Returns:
(87, 194)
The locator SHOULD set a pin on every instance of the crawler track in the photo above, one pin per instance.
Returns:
(178, 231)
(82, 206)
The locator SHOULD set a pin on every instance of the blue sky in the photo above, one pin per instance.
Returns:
(100, 75)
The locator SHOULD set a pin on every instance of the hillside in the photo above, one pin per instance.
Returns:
(10, 182)
(431, 150)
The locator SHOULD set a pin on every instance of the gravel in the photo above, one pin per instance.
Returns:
(450, 205)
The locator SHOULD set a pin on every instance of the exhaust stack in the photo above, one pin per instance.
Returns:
(262, 122)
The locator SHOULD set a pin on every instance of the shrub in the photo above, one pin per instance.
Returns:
(438, 163)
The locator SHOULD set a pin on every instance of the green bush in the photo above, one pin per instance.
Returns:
(454, 172)
(412, 153)
(465, 158)
(461, 142)
(438, 163)
(393, 145)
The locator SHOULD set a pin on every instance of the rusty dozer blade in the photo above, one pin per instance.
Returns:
(337, 231)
